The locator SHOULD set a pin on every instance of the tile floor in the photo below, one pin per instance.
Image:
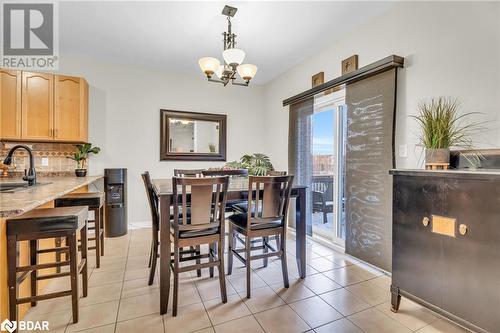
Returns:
(338, 295)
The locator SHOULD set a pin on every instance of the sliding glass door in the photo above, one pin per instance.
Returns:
(328, 127)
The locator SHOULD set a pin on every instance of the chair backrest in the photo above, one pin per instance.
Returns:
(268, 198)
(152, 199)
(276, 173)
(229, 172)
(188, 173)
(199, 203)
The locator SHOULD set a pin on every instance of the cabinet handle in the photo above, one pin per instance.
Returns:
(462, 229)
(425, 221)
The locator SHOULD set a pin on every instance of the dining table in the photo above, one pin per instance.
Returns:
(237, 190)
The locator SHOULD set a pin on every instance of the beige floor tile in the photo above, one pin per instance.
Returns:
(151, 324)
(99, 278)
(139, 306)
(189, 318)
(410, 314)
(95, 315)
(188, 294)
(139, 273)
(281, 319)
(442, 326)
(219, 312)
(295, 292)
(102, 294)
(242, 325)
(239, 281)
(110, 263)
(374, 321)
(322, 264)
(364, 271)
(343, 276)
(341, 260)
(344, 301)
(135, 262)
(319, 283)
(139, 287)
(370, 293)
(339, 326)
(57, 320)
(272, 274)
(382, 281)
(206, 330)
(261, 299)
(101, 329)
(209, 288)
(315, 311)
(51, 305)
(322, 250)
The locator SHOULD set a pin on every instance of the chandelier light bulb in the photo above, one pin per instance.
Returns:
(247, 71)
(233, 57)
(209, 65)
(219, 71)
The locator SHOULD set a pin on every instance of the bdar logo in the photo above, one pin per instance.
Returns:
(9, 326)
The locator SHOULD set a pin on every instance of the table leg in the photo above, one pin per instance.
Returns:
(164, 252)
(300, 231)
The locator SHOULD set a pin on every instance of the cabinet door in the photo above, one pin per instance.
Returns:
(417, 252)
(472, 261)
(70, 116)
(37, 106)
(10, 104)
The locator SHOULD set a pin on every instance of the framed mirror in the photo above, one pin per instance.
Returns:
(192, 136)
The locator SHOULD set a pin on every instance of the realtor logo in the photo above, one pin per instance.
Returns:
(30, 35)
(9, 326)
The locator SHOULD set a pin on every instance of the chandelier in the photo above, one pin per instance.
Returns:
(232, 56)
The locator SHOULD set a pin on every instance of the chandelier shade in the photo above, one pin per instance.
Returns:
(209, 65)
(233, 57)
(247, 71)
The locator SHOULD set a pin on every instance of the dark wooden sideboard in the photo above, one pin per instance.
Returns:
(446, 244)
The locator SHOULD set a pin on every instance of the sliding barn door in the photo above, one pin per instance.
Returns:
(369, 156)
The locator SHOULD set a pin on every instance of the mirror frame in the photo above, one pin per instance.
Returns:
(166, 155)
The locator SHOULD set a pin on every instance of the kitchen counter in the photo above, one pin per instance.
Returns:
(483, 174)
(16, 203)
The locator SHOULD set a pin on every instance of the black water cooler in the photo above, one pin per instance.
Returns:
(115, 210)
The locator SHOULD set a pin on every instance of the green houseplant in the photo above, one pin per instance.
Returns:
(257, 164)
(80, 157)
(442, 127)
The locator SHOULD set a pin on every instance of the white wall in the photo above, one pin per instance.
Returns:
(450, 48)
(124, 119)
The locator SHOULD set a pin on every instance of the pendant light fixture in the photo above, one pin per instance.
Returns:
(233, 58)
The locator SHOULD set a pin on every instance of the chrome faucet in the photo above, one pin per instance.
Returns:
(30, 175)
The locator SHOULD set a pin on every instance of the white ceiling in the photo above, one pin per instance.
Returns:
(172, 36)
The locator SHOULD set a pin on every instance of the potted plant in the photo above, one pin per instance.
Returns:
(80, 157)
(442, 128)
(257, 164)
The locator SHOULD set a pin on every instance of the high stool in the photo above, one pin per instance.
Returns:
(41, 224)
(94, 201)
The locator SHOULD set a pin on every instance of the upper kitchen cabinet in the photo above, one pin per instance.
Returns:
(70, 112)
(10, 104)
(43, 107)
(37, 106)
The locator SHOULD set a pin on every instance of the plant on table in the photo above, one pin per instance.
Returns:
(257, 164)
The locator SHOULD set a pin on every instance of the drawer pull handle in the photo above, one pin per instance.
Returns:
(462, 229)
(425, 221)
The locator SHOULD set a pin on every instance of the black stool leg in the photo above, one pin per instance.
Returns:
(101, 232)
(84, 250)
(73, 253)
(12, 280)
(97, 231)
(34, 273)
(58, 243)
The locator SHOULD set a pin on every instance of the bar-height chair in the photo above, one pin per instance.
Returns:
(269, 198)
(189, 172)
(205, 225)
(64, 222)
(155, 228)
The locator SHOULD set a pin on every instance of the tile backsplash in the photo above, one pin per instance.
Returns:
(56, 154)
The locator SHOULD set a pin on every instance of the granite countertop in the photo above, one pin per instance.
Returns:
(48, 189)
(452, 173)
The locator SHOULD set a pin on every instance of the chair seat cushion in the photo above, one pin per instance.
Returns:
(240, 220)
(48, 220)
(93, 200)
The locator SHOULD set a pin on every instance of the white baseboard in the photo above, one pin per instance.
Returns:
(139, 225)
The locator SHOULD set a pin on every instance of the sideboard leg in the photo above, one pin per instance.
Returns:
(395, 298)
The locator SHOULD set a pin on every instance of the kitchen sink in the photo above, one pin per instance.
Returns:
(15, 187)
